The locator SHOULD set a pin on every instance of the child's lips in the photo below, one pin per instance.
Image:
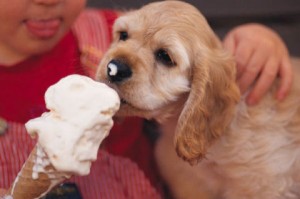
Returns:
(43, 28)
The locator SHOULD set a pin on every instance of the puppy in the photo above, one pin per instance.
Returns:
(166, 64)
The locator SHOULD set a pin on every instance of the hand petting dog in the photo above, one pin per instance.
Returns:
(261, 57)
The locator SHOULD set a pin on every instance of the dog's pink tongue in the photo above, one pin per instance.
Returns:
(43, 28)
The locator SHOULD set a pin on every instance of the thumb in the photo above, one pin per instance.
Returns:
(229, 43)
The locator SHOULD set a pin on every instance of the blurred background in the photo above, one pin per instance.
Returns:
(281, 15)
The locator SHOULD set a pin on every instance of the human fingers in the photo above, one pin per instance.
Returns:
(229, 43)
(286, 78)
(3, 195)
(254, 67)
(243, 54)
(2, 192)
(6, 197)
(264, 82)
(239, 49)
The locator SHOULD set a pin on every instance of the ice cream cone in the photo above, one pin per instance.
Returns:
(36, 178)
(70, 132)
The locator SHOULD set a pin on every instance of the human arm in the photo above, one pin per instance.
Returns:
(261, 56)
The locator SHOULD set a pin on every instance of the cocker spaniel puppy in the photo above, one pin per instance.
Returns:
(166, 63)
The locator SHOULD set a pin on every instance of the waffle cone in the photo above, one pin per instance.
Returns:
(31, 183)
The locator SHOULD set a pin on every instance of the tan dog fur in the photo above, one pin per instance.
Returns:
(240, 151)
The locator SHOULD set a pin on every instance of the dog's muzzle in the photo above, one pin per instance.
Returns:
(118, 71)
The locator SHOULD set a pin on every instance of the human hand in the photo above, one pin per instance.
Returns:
(261, 56)
(3, 195)
(2, 192)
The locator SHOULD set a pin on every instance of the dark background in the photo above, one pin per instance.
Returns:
(281, 15)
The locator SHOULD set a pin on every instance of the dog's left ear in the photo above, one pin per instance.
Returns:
(210, 104)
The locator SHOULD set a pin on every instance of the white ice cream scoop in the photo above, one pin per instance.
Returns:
(79, 118)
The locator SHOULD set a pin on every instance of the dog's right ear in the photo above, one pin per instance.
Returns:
(210, 104)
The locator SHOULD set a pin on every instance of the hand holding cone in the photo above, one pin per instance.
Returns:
(36, 178)
(79, 118)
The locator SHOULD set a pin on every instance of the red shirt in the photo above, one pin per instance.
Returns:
(22, 98)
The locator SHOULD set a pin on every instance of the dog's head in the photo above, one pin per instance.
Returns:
(165, 57)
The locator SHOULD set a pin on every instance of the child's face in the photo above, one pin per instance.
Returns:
(30, 27)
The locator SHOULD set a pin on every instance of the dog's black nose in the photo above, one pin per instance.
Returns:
(118, 70)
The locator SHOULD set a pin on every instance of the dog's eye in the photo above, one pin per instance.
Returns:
(123, 35)
(163, 56)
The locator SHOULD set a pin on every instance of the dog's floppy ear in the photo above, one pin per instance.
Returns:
(210, 104)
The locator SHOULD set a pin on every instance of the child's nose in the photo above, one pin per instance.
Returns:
(47, 1)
